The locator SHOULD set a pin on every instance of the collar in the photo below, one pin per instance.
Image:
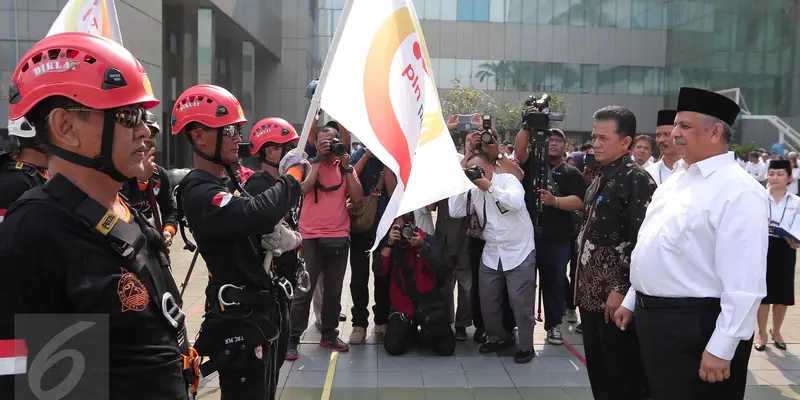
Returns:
(772, 199)
(709, 165)
(674, 166)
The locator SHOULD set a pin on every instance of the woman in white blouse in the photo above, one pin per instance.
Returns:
(781, 255)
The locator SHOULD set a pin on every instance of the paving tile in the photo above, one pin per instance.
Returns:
(481, 363)
(311, 364)
(399, 364)
(489, 379)
(445, 379)
(352, 394)
(448, 394)
(533, 379)
(537, 364)
(571, 378)
(313, 350)
(791, 363)
(439, 363)
(562, 364)
(542, 394)
(496, 394)
(401, 394)
(777, 378)
(306, 379)
(772, 392)
(400, 379)
(755, 380)
(350, 379)
(762, 364)
(359, 358)
(548, 350)
(579, 393)
(300, 394)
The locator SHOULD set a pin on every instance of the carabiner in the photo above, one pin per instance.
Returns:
(287, 287)
(222, 300)
(303, 280)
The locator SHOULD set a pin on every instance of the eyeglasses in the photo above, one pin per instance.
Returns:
(129, 117)
(231, 130)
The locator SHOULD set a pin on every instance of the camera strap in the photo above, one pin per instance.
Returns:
(319, 186)
(469, 214)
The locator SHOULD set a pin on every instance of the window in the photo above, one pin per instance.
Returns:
(447, 72)
(656, 17)
(560, 12)
(419, 6)
(464, 71)
(481, 12)
(466, 10)
(621, 80)
(577, 13)
(541, 71)
(247, 63)
(513, 10)
(572, 78)
(653, 81)
(433, 9)
(482, 77)
(324, 23)
(636, 80)
(173, 81)
(608, 12)
(529, 12)
(449, 9)
(589, 78)
(173, 44)
(544, 11)
(496, 11)
(623, 13)
(555, 78)
(247, 100)
(723, 32)
(605, 80)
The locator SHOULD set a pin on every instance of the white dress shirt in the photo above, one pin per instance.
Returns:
(424, 220)
(508, 231)
(704, 236)
(785, 213)
(793, 187)
(647, 164)
(757, 170)
(660, 172)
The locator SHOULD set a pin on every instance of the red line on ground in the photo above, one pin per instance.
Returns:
(575, 352)
(198, 308)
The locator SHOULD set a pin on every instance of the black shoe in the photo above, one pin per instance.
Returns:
(461, 334)
(760, 347)
(479, 336)
(579, 328)
(494, 347)
(342, 317)
(524, 357)
(334, 343)
(291, 351)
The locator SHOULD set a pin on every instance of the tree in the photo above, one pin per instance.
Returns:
(506, 118)
(744, 150)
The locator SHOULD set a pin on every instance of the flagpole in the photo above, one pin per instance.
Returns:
(326, 66)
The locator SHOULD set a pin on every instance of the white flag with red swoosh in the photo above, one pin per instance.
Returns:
(98, 17)
(380, 86)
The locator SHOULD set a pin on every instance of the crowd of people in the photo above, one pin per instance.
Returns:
(673, 261)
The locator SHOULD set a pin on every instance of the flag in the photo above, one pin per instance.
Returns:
(380, 86)
(98, 17)
(13, 357)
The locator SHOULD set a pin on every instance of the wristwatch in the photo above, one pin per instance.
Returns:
(490, 189)
(347, 169)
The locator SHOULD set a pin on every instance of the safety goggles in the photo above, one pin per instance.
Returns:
(128, 117)
(231, 130)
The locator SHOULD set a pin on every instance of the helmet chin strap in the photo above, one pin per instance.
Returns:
(284, 151)
(103, 162)
(217, 159)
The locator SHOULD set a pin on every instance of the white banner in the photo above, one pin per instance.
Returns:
(98, 17)
(380, 86)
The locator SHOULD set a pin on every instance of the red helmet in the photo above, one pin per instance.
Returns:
(271, 130)
(91, 70)
(209, 105)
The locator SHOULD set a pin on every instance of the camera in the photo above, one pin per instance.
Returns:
(537, 116)
(408, 230)
(473, 173)
(487, 136)
(337, 147)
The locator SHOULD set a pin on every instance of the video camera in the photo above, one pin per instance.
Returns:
(537, 116)
(473, 173)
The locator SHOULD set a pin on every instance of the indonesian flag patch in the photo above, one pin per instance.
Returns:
(221, 199)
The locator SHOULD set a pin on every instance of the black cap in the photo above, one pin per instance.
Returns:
(666, 117)
(708, 103)
(781, 164)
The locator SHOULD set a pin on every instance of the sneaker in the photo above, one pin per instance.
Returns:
(461, 334)
(318, 325)
(579, 328)
(334, 343)
(358, 336)
(479, 336)
(379, 330)
(524, 357)
(291, 351)
(572, 316)
(554, 336)
(494, 347)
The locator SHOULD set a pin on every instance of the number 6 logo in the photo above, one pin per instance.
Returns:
(45, 359)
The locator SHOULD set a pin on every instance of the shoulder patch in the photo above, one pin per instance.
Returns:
(132, 293)
(221, 199)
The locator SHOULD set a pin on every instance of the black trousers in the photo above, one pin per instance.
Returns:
(673, 340)
(360, 267)
(402, 332)
(476, 252)
(613, 359)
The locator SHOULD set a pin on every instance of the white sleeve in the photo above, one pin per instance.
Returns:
(458, 205)
(740, 263)
(509, 192)
(629, 301)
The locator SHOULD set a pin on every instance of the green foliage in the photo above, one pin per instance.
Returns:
(506, 118)
(744, 149)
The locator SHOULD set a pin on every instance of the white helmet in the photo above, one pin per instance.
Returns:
(21, 128)
(151, 121)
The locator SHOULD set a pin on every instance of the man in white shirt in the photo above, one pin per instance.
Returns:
(642, 151)
(756, 168)
(662, 169)
(793, 187)
(699, 268)
(508, 256)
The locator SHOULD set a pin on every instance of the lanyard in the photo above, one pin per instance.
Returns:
(783, 214)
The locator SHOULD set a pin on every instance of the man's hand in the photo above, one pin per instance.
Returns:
(415, 240)
(344, 159)
(482, 183)
(394, 234)
(714, 369)
(324, 148)
(547, 198)
(167, 235)
(613, 303)
(471, 142)
(492, 150)
(623, 317)
(792, 243)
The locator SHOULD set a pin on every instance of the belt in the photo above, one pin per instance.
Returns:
(653, 302)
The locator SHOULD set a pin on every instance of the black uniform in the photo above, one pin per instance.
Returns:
(57, 260)
(138, 197)
(16, 178)
(239, 339)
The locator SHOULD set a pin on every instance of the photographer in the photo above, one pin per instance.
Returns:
(413, 263)
(559, 224)
(508, 258)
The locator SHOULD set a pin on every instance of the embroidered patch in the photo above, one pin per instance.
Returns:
(132, 293)
(259, 352)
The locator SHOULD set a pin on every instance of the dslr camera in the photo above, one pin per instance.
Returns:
(473, 173)
(407, 231)
(337, 147)
(487, 136)
(537, 116)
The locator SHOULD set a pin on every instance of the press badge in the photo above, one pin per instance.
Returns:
(502, 209)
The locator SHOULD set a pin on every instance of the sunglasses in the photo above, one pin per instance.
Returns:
(231, 130)
(128, 117)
